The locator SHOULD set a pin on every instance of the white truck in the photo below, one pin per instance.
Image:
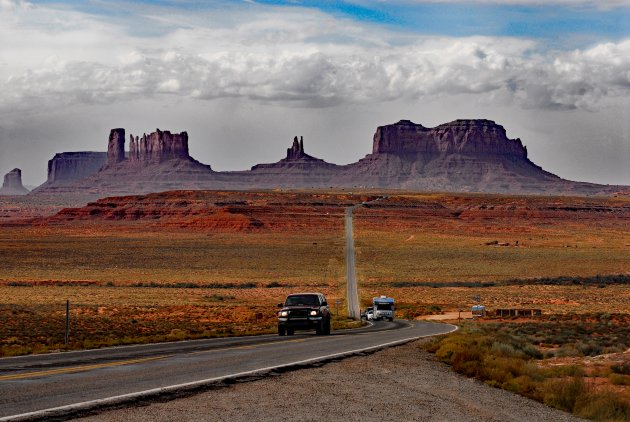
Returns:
(383, 308)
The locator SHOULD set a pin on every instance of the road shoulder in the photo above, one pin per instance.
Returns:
(399, 383)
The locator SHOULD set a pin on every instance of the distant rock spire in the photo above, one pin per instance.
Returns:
(13, 183)
(297, 149)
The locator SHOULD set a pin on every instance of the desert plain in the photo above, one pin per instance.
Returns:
(196, 264)
(188, 264)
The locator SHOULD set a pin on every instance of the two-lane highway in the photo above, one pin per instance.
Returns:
(67, 383)
(352, 292)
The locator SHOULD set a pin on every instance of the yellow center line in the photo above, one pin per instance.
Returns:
(247, 347)
(128, 362)
(78, 368)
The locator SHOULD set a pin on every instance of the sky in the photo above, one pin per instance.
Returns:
(244, 77)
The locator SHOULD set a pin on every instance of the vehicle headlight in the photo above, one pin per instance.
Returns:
(313, 313)
(283, 313)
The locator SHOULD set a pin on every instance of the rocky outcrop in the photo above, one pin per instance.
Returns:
(296, 170)
(296, 152)
(116, 147)
(158, 147)
(12, 184)
(460, 156)
(463, 155)
(67, 167)
(295, 156)
(473, 137)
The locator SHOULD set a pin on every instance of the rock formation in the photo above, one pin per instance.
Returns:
(158, 147)
(463, 155)
(460, 156)
(13, 183)
(295, 155)
(67, 167)
(296, 170)
(116, 147)
(473, 137)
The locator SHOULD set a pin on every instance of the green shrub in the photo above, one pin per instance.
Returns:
(503, 349)
(564, 394)
(622, 368)
(504, 356)
(603, 406)
(532, 351)
(618, 379)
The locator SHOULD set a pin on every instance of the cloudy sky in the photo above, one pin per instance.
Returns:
(244, 77)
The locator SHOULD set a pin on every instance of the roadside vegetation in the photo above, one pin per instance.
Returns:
(575, 363)
(200, 264)
(102, 314)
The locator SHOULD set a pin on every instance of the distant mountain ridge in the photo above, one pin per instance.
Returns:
(472, 155)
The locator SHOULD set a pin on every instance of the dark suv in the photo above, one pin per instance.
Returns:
(304, 311)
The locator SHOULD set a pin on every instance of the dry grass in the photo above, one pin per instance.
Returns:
(523, 358)
(169, 257)
(296, 243)
(34, 320)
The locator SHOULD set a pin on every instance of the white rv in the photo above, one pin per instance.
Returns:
(383, 308)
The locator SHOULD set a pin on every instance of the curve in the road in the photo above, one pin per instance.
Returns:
(73, 393)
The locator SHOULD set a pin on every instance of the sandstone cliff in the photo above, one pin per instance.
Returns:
(12, 184)
(460, 156)
(116, 146)
(463, 155)
(473, 137)
(158, 147)
(72, 166)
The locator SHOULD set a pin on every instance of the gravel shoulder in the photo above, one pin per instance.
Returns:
(400, 383)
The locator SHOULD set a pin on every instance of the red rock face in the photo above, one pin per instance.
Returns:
(296, 161)
(116, 146)
(13, 183)
(460, 156)
(158, 147)
(297, 150)
(475, 137)
(72, 166)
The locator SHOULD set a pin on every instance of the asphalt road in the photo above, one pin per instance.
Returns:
(352, 293)
(67, 384)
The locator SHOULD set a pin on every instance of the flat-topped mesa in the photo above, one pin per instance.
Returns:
(471, 137)
(12, 184)
(72, 166)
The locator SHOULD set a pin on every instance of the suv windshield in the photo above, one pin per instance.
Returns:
(302, 300)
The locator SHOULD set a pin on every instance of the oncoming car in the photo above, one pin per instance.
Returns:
(368, 314)
(304, 311)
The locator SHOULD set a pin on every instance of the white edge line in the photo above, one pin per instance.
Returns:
(58, 411)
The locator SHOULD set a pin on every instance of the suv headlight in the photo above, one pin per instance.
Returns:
(314, 313)
(283, 313)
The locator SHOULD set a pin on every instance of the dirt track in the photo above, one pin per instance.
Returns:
(397, 384)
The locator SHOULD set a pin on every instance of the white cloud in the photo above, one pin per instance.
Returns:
(66, 57)
(14, 4)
